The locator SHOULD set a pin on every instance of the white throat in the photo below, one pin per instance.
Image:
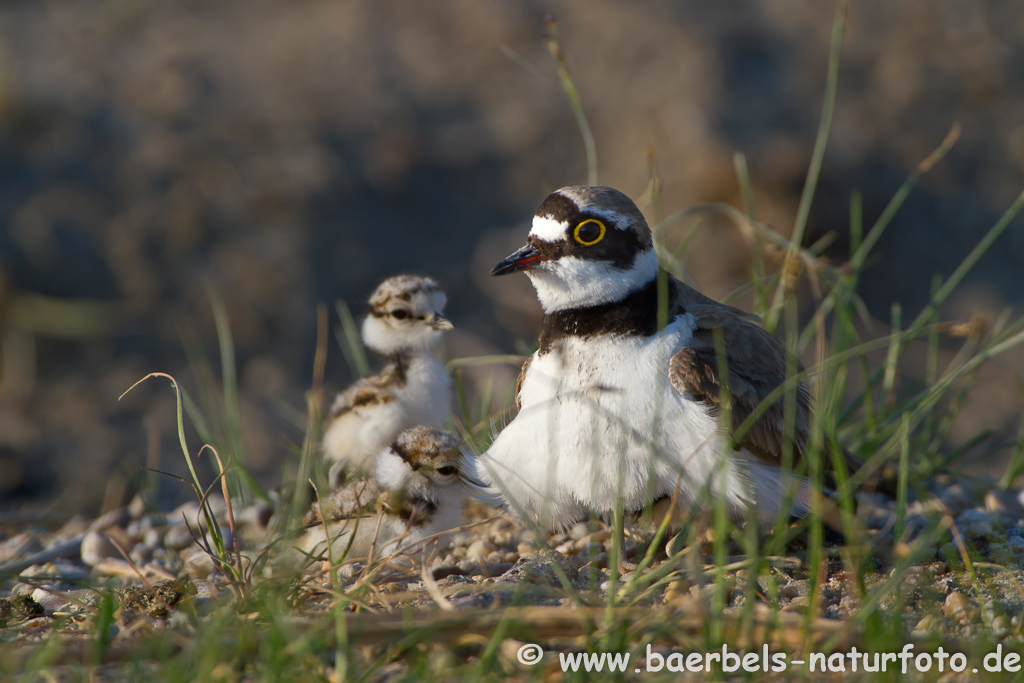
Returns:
(572, 282)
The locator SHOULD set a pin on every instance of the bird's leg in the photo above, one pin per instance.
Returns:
(627, 566)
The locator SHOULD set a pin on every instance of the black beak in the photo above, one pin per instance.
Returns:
(524, 259)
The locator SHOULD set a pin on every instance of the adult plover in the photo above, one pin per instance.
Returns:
(613, 408)
(415, 492)
(405, 326)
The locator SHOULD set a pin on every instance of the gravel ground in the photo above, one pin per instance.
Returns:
(495, 562)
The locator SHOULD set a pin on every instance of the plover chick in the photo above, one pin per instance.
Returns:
(405, 326)
(615, 410)
(415, 492)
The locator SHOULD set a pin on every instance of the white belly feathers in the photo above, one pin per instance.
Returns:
(599, 415)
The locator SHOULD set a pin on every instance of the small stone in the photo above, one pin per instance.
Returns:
(525, 547)
(140, 503)
(349, 570)
(138, 527)
(1001, 626)
(957, 605)
(951, 555)
(678, 591)
(21, 545)
(113, 566)
(198, 563)
(186, 512)
(141, 554)
(178, 537)
(1006, 502)
(494, 558)
(926, 624)
(956, 498)
(511, 557)
(480, 548)
(541, 569)
(974, 517)
(50, 600)
(1016, 543)
(118, 517)
(797, 603)
(96, 547)
(502, 525)
(588, 577)
(579, 530)
(152, 538)
(256, 516)
(593, 549)
(797, 588)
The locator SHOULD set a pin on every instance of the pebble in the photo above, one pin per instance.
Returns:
(1016, 544)
(141, 554)
(118, 517)
(480, 548)
(1001, 626)
(589, 576)
(140, 504)
(178, 537)
(186, 512)
(579, 530)
(797, 588)
(198, 563)
(50, 600)
(678, 590)
(797, 604)
(975, 516)
(151, 539)
(96, 547)
(20, 545)
(1009, 501)
(957, 606)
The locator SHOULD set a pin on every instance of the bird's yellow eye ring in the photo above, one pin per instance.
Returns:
(589, 232)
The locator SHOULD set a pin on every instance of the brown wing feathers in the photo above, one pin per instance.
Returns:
(756, 366)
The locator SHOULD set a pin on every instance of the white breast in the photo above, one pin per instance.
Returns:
(599, 420)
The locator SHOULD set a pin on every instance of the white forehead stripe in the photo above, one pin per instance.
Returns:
(548, 229)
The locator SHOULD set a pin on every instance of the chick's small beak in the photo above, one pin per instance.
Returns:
(439, 322)
(524, 259)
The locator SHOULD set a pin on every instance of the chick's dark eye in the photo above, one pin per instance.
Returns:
(400, 314)
(446, 470)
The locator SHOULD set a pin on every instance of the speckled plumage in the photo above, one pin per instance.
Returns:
(414, 492)
(404, 327)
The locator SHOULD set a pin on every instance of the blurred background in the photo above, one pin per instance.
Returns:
(291, 154)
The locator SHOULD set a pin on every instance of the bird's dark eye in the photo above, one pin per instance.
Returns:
(446, 470)
(589, 232)
(400, 313)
